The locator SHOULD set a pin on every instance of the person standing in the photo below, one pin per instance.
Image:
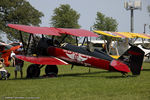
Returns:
(12, 56)
(18, 67)
(18, 64)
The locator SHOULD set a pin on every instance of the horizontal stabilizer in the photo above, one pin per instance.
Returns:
(119, 66)
(42, 60)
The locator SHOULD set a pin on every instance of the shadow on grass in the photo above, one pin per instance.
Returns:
(66, 75)
(26, 78)
(87, 74)
(90, 73)
(80, 74)
(146, 70)
(129, 76)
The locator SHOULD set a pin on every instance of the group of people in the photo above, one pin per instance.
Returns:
(17, 63)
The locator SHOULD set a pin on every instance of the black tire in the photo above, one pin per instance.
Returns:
(33, 71)
(51, 70)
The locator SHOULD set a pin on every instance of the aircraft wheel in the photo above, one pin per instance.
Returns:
(51, 70)
(33, 71)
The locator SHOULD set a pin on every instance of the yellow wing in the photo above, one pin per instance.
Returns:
(107, 33)
(123, 34)
(115, 34)
(141, 35)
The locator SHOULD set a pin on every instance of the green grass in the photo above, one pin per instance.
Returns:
(78, 84)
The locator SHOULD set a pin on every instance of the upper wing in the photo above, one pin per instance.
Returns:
(42, 60)
(111, 34)
(52, 30)
(78, 32)
(133, 35)
(114, 34)
(35, 30)
(141, 35)
(123, 34)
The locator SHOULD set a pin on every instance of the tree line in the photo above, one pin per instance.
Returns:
(22, 12)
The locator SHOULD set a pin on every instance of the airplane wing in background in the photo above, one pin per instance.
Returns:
(141, 35)
(42, 60)
(114, 34)
(123, 34)
(111, 34)
(52, 30)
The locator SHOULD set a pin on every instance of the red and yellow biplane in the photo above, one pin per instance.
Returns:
(52, 53)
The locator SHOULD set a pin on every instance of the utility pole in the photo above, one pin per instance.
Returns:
(144, 28)
(132, 5)
(132, 20)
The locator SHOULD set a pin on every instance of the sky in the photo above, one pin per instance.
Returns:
(89, 8)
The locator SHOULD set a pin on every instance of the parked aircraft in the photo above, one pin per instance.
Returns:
(6, 49)
(144, 45)
(52, 53)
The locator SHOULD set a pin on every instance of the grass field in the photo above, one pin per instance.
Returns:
(78, 84)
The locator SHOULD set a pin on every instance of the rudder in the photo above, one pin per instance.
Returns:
(133, 57)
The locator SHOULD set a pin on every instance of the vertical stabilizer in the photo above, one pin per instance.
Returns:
(133, 57)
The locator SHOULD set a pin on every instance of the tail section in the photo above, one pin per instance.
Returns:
(133, 57)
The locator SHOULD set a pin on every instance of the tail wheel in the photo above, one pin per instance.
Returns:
(33, 71)
(51, 70)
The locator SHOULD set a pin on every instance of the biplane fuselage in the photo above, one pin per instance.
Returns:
(81, 56)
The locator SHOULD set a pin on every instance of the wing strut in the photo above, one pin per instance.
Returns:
(34, 43)
(53, 39)
(63, 38)
(83, 41)
(22, 41)
(77, 40)
(28, 43)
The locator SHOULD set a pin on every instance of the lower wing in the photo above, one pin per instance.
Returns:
(42, 60)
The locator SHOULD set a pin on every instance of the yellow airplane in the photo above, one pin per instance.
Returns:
(122, 35)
